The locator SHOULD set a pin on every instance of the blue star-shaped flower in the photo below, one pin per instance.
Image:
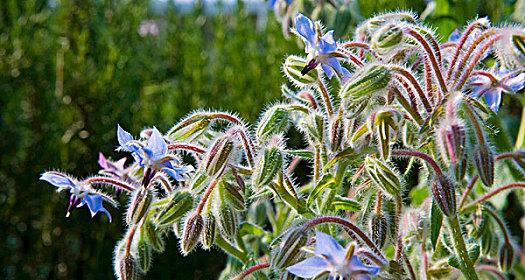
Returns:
(330, 257)
(80, 195)
(320, 49)
(154, 155)
(492, 87)
(271, 3)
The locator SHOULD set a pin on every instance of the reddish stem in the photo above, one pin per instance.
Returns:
(488, 195)
(206, 196)
(459, 46)
(420, 155)
(187, 147)
(251, 270)
(109, 181)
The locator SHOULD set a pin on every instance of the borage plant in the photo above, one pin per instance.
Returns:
(404, 114)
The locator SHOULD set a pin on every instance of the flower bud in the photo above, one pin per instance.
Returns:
(379, 229)
(365, 81)
(313, 126)
(444, 193)
(484, 163)
(506, 257)
(269, 165)
(180, 203)
(127, 268)
(193, 129)
(384, 176)
(452, 142)
(143, 255)
(387, 36)
(336, 131)
(218, 156)
(274, 121)
(191, 233)
(231, 195)
(293, 69)
(150, 234)
(139, 206)
(489, 242)
(289, 251)
(226, 220)
(208, 232)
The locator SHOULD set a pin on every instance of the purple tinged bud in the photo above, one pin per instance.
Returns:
(444, 194)
(191, 233)
(218, 156)
(127, 269)
(226, 220)
(289, 250)
(143, 255)
(379, 229)
(484, 163)
(452, 141)
(506, 257)
(336, 131)
(139, 206)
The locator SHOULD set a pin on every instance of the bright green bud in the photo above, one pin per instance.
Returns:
(292, 68)
(149, 232)
(364, 82)
(269, 165)
(180, 203)
(384, 176)
(190, 130)
(231, 195)
(143, 255)
(226, 220)
(218, 155)
(191, 233)
(274, 121)
(387, 36)
(208, 232)
(140, 203)
(289, 250)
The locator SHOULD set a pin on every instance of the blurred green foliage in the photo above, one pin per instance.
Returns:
(71, 70)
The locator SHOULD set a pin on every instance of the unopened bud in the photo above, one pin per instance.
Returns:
(274, 121)
(294, 67)
(218, 156)
(227, 220)
(451, 139)
(231, 195)
(444, 193)
(336, 131)
(269, 165)
(193, 129)
(313, 125)
(289, 251)
(484, 163)
(379, 229)
(384, 176)
(364, 82)
(150, 234)
(489, 242)
(506, 257)
(180, 203)
(191, 233)
(387, 36)
(208, 232)
(127, 268)
(143, 256)
(140, 203)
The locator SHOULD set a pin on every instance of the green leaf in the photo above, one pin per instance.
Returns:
(327, 181)
(301, 153)
(344, 203)
(251, 229)
(344, 154)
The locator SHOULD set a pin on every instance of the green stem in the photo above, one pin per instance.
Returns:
(467, 267)
(232, 251)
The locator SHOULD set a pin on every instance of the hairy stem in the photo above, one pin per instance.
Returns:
(467, 267)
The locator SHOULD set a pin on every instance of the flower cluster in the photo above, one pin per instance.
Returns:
(401, 157)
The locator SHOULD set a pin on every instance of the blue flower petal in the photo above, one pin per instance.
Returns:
(517, 83)
(175, 174)
(327, 246)
(123, 138)
(327, 70)
(271, 3)
(309, 268)
(357, 266)
(157, 145)
(94, 203)
(336, 65)
(454, 36)
(305, 28)
(327, 43)
(58, 179)
(493, 98)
